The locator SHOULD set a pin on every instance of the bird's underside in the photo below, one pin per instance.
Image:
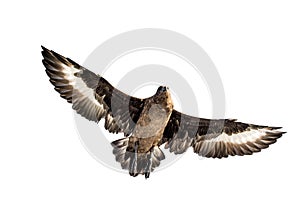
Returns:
(151, 122)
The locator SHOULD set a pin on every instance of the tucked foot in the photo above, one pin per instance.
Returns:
(147, 175)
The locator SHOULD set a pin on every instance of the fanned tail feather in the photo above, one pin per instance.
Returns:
(133, 161)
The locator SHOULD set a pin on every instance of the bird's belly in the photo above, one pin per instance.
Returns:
(144, 145)
(150, 127)
(146, 137)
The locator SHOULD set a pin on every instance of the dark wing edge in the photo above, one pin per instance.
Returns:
(217, 138)
(91, 95)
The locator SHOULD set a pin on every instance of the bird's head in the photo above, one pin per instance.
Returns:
(163, 95)
(161, 90)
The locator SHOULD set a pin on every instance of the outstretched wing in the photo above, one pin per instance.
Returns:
(91, 95)
(216, 138)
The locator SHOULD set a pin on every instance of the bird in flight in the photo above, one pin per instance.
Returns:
(150, 122)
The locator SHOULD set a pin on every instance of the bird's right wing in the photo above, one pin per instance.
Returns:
(216, 138)
(91, 95)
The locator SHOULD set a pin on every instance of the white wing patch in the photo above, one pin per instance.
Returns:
(82, 88)
(62, 73)
(78, 84)
(89, 93)
(243, 143)
(69, 72)
(240, 138)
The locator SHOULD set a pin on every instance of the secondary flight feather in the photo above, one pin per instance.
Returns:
(151, 122)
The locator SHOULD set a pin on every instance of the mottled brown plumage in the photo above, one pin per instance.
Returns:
(153, 119)
(151, 122)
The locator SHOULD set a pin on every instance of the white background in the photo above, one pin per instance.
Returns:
(255, 46)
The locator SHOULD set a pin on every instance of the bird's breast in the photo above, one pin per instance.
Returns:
(150, 126)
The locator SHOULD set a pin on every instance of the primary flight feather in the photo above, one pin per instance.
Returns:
(151, 122)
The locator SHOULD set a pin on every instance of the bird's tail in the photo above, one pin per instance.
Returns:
(136, 163)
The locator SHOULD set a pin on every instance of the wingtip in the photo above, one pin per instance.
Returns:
(45, 52)
(44, 48)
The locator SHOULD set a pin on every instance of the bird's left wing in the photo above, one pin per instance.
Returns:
(91, 95)
(216, 138)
